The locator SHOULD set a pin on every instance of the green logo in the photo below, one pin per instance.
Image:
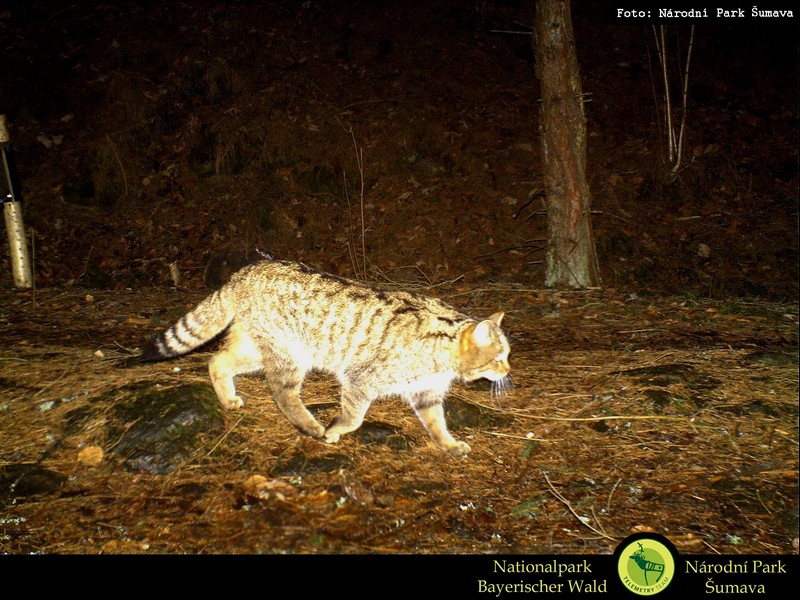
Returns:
(645, 564)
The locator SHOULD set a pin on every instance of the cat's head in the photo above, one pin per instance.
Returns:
(483, 350)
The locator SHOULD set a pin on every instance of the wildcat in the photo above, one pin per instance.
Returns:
(286, 319)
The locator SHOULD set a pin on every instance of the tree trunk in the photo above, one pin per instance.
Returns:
(571, 257)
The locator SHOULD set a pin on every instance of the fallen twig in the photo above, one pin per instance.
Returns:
(572, 510)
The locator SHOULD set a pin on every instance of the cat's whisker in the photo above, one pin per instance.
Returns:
(500, 387)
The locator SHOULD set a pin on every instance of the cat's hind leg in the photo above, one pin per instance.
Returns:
(240, 355)
(354, 407)
(285, 384)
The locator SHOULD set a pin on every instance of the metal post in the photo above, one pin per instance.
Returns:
(11, 198)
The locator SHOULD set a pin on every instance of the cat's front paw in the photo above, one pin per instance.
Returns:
(231, 403)
(459, 449)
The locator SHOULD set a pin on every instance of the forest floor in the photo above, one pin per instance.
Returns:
(162, 144)
(627, 414)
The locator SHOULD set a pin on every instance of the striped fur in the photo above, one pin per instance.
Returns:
(285, 319)
(210, 318)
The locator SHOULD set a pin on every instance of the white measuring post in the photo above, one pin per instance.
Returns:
(11, 198)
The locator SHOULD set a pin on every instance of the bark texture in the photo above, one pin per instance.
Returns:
(571, 256)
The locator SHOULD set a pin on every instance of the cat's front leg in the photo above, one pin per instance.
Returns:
(430, 411)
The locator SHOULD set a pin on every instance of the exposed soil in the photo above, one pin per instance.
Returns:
(399, 144)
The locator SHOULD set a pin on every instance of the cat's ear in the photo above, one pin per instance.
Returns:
(481, 335)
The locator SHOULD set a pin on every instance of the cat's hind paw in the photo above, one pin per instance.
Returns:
(331, 437)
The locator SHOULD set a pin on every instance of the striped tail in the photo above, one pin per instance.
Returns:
(200, 325)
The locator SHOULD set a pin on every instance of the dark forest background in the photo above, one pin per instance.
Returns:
(389, 141)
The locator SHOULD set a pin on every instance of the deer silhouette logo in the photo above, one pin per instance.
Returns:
(646, 565)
